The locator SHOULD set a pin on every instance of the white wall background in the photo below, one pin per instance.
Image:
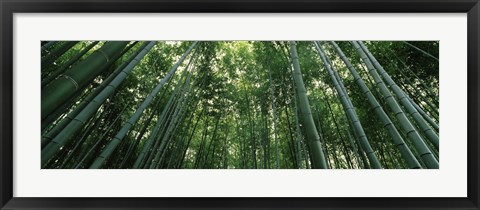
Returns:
(448, 181)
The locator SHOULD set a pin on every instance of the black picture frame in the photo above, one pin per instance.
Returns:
(9, 7)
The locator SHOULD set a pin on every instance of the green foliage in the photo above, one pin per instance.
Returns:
(239, 104)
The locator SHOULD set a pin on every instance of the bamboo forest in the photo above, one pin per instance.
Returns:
(239, 104)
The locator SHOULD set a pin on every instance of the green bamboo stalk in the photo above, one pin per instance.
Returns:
(169, 124)
(70, 116)
(426, 88)
(379, 111)
(311, 130)
(55, 54)
(425, 116)
(332, 143)
(423, 51)
(81, 162)
(79, 141)
(179, 154)
(181, 108)
(351, 113)
(99, 161)
(419, 144)
(420, 98)
(190, 137)
(47, 45)
(75, 78)
(146, 155)
(429, 133)
(141, 133)
(64, 67)
(274, 110)
(342, 120)
(430, 107)
(178, 115)
(74, 126)
(60, 112)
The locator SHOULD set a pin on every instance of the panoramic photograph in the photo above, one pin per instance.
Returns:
(278, 104)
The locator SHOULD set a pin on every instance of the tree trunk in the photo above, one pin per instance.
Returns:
(311, 130)
(351, 113)
(406, 125)
(98, 163)
(377, 108)
(75, 125)
(74, 79)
